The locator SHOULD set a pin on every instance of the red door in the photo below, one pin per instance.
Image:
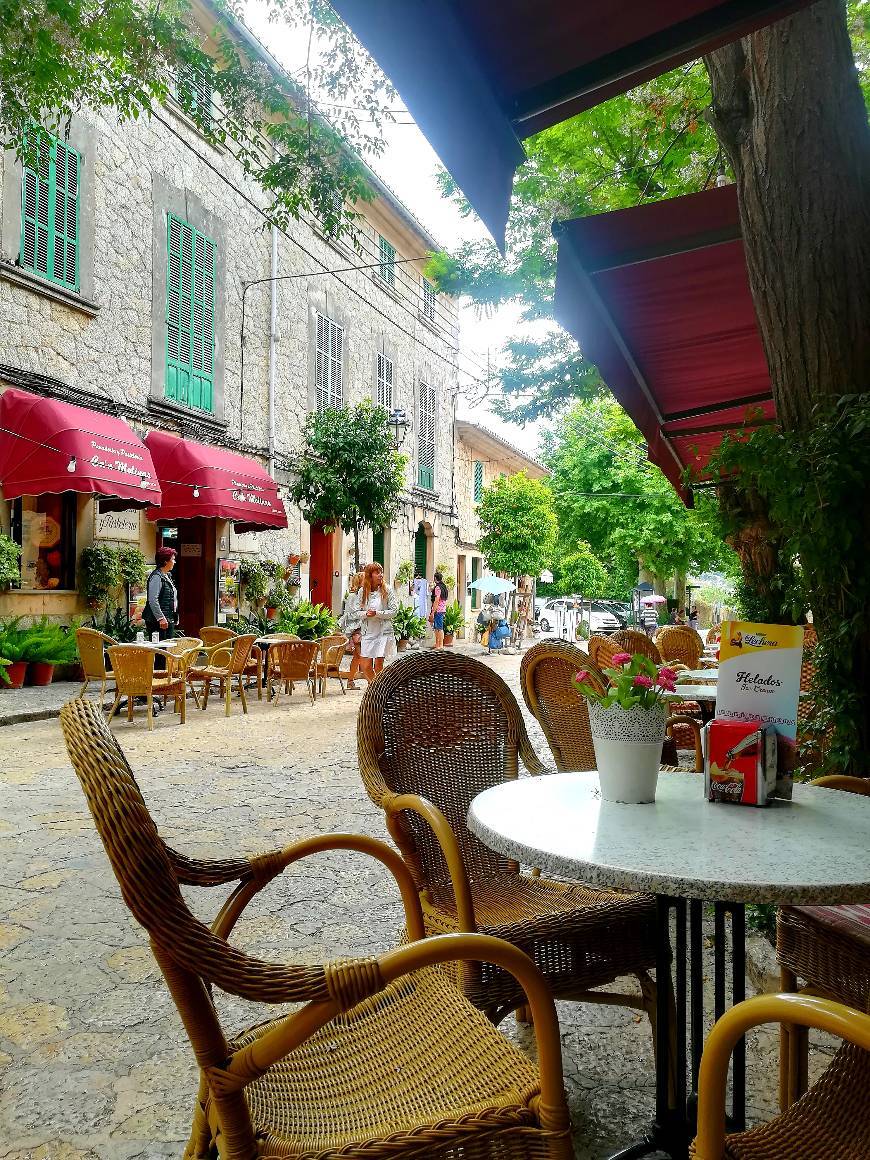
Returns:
(320, 568)
(188, 537)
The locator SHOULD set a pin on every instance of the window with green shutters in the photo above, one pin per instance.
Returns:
(426, 437)
(475, 575)
(378, 546)
(50, 210)
(190, 298)
(478, 480)
(387, 268)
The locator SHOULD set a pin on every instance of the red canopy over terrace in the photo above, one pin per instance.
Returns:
(479, 75)
(50, 446)
(201, 480)
(658, 298)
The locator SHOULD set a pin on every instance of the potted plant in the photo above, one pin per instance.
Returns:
(407, 625)
(13, 642)
(404, 573)
(254, 582)
(307, 621)
(453, 621)
(47, 644)
(627, 720)
(99, 574)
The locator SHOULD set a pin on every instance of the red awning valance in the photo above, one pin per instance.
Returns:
(479, 76)
(200, 480)
(50, 446)
(658, 298)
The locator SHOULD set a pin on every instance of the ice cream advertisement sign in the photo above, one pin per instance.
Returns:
(760, 674)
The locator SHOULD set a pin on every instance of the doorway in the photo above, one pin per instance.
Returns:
(421, 552)
(320, 569)
(194, 543)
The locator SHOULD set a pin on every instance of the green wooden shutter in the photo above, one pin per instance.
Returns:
(420, 547)
(387, 268)
(426, 438)
(478, 480)
(475, 575)
(378, 546)
(50, 211)
(190, 296)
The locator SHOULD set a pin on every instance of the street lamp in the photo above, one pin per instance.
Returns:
(399, 421)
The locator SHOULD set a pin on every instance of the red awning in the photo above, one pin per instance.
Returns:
(49, 446)
(200, 480)
(479, 76)
(658, 298)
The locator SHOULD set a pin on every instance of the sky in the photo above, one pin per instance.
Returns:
(408, 165)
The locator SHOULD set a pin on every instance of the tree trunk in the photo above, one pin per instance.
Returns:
(680, 590)
(355, 544)
(789, 114)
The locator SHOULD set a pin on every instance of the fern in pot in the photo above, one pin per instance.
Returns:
(627, 718)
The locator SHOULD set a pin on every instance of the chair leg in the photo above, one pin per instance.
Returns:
(227, 683)
(793, 1051)
(260, 679)
(195, 694)
(129, 707)
(206, 689)
(114, 708)
(84, 687)
(183, 706)
(151, 710)
(243, 695)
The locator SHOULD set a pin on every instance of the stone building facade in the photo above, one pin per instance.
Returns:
(479, 457)
(100, 332)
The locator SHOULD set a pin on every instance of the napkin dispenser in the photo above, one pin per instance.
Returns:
(739, 762)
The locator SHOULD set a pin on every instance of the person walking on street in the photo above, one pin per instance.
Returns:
(378, 606)
(351, 625)
(439, 606)
(694, 619)
(161, 607)
(649, 620)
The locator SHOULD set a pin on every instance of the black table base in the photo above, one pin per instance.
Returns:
(680, 1021)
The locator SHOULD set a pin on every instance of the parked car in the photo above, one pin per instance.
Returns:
(617, 608)
(599, 619)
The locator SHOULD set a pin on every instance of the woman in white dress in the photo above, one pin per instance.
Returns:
(378, 606)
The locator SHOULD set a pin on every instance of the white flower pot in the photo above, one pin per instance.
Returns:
(628, 751)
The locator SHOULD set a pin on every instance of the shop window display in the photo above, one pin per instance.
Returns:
(44, 527)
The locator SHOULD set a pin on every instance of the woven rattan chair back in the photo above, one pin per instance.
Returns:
(241, 654)
(182, 644)
(189, 954)
(92, 645)
(601, 650)
(808, 661)
(327, 642)
(546, 678)
(133, 667)
(445, 727)
(293, 659)
(215, 634)
(631, 641)
(678, 642)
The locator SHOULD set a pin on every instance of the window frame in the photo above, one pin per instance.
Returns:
(430, 300)
(331, 357)
(386, 270)
(427, 411)
(68, 529)
(384, 382)
(478, 485)
(180, 393)
(34, 176)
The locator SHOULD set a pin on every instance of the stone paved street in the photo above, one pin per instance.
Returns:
(93, 1060)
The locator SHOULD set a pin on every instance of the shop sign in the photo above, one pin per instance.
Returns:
(116, 525)
(190, 550)
(244, 541)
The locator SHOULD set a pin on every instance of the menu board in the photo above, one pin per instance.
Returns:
(760, 676)
(137, 598)
(227, 589)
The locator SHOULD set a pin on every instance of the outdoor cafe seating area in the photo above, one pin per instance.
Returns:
(400, 1053)
(218, 658)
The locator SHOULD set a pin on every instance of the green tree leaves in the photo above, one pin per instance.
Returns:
(518, 525)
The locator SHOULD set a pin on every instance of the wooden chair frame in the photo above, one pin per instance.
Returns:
(343, 1002)
(135, 677)
(292, 661)
(328, 663)
(90, 638)
(224, 661)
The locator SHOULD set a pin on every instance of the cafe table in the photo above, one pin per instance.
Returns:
(814, 849)
(698, 674)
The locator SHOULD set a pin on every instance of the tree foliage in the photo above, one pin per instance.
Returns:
(61, 56)
(347, 473)
(518, 525)
(607, 494)
(578, 571)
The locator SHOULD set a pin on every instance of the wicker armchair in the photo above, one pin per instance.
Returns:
(829, 948)
(216, 633)
(678, 642)
(92, 647)
(224, 660)
(434, 730)
(292, 661)
(546, 675)
(631, 641)
(602, 650)
(328, 664)
(133, 667)
(831, 1122)
(385, 1058)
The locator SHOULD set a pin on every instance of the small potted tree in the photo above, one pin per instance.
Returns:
(407, 625)
(453, 622)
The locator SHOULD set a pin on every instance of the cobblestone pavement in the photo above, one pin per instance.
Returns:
(93, 1060)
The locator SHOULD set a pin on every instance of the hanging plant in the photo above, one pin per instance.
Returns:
(99, 573)
(404, 572)
(132, 565)
(254, 582)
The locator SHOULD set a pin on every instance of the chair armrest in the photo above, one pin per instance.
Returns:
(204, 872)
(261, 870)
(801, 1010)
(394, 804)
(843, 781)
(376, 974)
(682, 719)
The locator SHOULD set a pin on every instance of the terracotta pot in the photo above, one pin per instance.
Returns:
(448, 639)
(39, 673)
(270, 613)
(16, 673)
(401, 645)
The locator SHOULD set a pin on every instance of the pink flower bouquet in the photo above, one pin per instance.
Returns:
(632, 681)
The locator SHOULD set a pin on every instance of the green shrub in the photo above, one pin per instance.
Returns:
(43, 641)
(132, 566)
(408, 625)
(10, 564)
(404, 572)
(306, 620)
(99, 573)
(254, 582)
(453, 618)
(117, 624)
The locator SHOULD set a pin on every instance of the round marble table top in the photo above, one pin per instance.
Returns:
(698, 674)
(696, 692)
(813, 849)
